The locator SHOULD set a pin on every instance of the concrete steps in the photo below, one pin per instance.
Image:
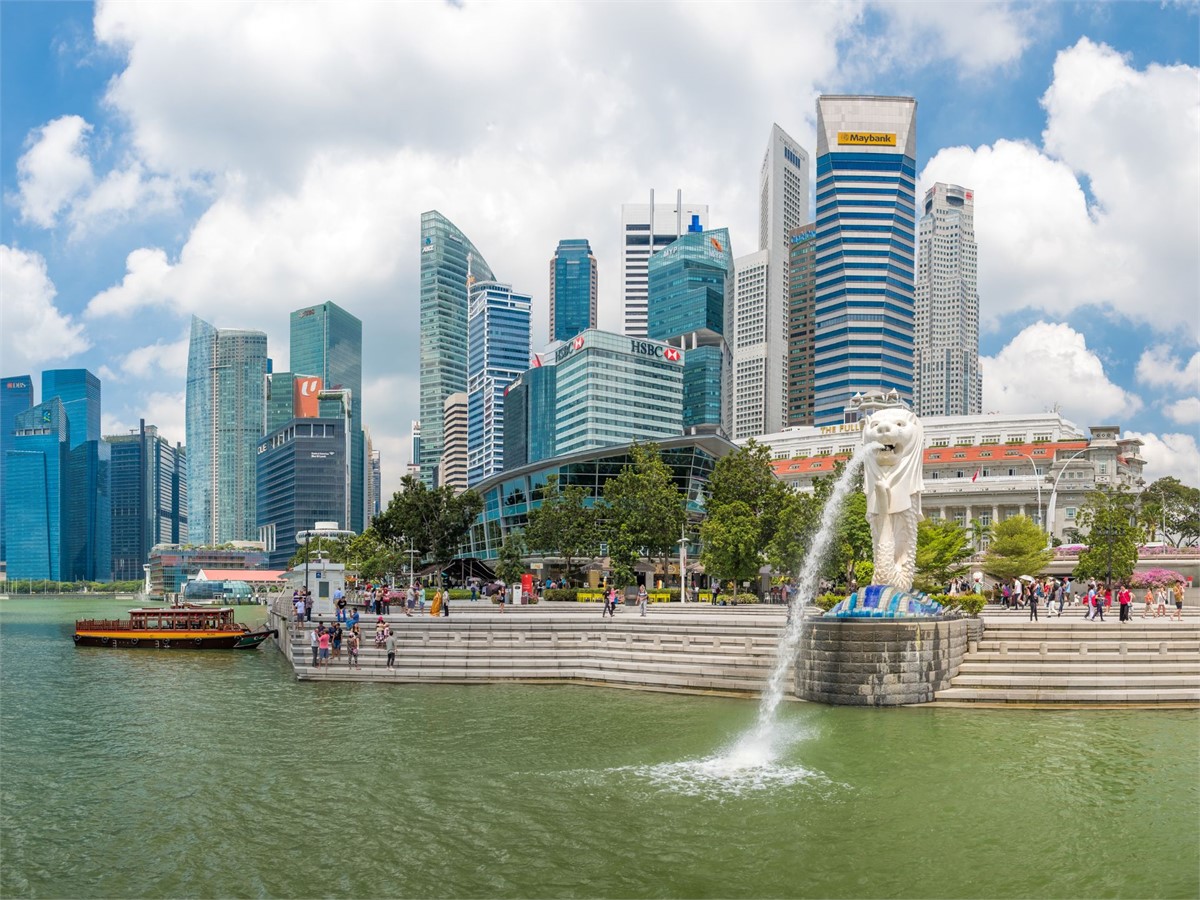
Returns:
(727, 652)
(1072, 661)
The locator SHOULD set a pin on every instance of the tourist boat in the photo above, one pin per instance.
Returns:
(172, 628)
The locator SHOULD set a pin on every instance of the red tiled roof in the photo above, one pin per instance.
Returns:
(247, 575)
(982, 454)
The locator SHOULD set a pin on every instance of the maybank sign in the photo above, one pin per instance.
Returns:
(866, 138)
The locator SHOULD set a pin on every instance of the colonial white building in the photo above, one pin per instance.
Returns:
(983, 468)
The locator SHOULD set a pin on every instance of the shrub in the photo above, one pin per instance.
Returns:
(827, 602)
(560, 594)
(460, 594)
(746, 598)
(972, 604)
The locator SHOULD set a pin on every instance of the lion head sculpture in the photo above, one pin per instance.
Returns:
(893, 473)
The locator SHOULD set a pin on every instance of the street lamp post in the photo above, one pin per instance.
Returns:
(1054, 496)
(1037, 482)
(683, 564)
(307, 564)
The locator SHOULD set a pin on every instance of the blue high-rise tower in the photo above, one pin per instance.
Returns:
(16, 396)
(689, 305)
(498, 346)
(865, 250)
(79, 391)
(574, 289)
(35, 475)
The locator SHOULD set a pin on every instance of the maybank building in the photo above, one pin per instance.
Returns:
(865, 250)
(613, 389)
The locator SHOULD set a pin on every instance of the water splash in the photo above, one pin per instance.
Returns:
(762, 736)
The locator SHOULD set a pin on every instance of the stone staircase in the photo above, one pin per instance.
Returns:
(717, 650)
(1071, 661)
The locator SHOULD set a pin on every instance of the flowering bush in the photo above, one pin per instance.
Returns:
(1156, 578)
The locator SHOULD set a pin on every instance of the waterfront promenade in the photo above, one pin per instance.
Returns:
(698, 648)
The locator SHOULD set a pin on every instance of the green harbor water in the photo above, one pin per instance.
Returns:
(179, 774)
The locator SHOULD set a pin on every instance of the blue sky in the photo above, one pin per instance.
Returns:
(240, 160)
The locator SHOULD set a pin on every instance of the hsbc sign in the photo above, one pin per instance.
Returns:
(646, 348)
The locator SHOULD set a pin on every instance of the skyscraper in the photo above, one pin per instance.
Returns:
(327, 341)
(865, 222)
(87, 538)
(802, 294)
(452, 468)
(16, 396)
(224, 411)
(449, 262)
(498, 349)
(530, 414)
(149, 498)
(574, 289)
(646, 228)
(79, 391)
(946, 376)
(300, 477)
(35, 476)
(759, 339)
(690, 290)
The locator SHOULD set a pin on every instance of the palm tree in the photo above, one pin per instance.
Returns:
(981, 535)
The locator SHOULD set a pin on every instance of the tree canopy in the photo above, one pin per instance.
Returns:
(730, 539)
(1018, 548)
(1170, 511)
(510, 565)
(1112, 535)
(564, 524)
(643, 508)
(942, 550)
(433, 520)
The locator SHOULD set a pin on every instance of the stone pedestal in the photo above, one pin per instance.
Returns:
(878, 662)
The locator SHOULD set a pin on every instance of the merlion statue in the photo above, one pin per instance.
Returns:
(893, 485)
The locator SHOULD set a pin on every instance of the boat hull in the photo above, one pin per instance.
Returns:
(160, 640)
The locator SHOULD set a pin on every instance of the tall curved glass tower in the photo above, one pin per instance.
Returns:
(449, 264)
(224, 409)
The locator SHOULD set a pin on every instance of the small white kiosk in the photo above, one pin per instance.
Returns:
(321, 577)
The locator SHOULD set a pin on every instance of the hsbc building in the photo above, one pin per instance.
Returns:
(613, 389)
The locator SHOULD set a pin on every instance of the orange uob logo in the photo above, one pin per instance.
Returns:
(305, 399)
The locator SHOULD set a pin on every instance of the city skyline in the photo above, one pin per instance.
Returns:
(120, 225)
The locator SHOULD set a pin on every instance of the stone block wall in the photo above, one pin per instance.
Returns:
(878, 662)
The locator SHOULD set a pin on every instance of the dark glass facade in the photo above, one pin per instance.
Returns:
(801, 308)
(16, 396)
(88, 538)
(530, 417)
(509, 496)
(149, 498)
(326, 340)
(574, 289)
(448, 260)
(301, 480)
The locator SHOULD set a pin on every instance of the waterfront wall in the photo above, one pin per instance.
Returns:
(878, 662)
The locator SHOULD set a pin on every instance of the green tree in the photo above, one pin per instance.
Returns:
(854, 543)
(1170, 511)
(564, 524)
(942, 551)
(747, 476)
(434, 521)
(980, 535)
(623, 556)
(643, 508)
(1018, 547)
(1113, 535)
(798, 519)
(729, 541)
(510, 565)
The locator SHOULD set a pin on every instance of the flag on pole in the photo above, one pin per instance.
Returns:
(976, 475)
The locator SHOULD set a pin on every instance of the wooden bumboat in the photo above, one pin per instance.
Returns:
(171, 628)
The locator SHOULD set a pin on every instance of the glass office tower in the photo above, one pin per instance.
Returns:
(801, 297)
(866, 245)
(16, 396)
(574, 289)
(690, 300)
(224, 410)
(149, 498)
(498, 349)
(327, 341)
(530, 416)
(449, 264)
(35, 472)
(79, 391)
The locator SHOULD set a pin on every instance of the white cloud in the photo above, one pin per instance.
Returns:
(1169, 454)
(53, 170)
(1048, 366)
(977, 36)
(163, 409)
(32, 329)
(157, 359)
(1127, 136)
(1184, 412)
(1159, 367)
